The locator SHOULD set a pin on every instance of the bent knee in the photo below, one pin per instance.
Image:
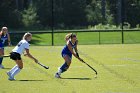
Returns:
(21, 67)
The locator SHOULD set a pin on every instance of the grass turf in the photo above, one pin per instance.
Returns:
(117, 66)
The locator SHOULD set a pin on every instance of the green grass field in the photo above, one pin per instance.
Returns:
(117, 66)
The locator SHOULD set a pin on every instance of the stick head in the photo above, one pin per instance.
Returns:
(46, 67)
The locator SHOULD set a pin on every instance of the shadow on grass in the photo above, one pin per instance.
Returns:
(78, 78)
(30, 80)
(7, 68)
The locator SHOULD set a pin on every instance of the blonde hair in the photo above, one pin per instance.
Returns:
(26, 35)
(67, 37)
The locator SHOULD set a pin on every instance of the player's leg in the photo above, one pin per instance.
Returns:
(18, 67)
(64, 67)
(15, 70)
(66, 64)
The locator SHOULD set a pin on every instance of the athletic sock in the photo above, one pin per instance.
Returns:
(1, 59)
(16, 71)
(13, 69)
(64, 67)
(59, 71)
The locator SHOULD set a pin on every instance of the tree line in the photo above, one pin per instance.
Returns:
(66, 14)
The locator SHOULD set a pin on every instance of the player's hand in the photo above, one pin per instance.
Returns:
(35, 60)
(25, 54)
(77, 54)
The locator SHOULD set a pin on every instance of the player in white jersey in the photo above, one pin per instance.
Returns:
(15, 55)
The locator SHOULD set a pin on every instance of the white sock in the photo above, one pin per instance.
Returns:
(16, 71)
(59, 71)
(13, 69)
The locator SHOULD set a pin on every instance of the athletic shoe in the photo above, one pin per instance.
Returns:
(1, 66)
(10, 77)
(57, 75)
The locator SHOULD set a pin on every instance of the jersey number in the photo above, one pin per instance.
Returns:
(19, 44)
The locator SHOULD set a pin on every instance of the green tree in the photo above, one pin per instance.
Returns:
(74, 12)
(93, 11)
(30, 17)
(9, 15)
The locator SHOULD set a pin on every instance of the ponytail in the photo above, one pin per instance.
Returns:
(68, 36)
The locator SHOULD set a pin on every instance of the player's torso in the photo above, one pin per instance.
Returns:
(66, 49)
(3, 38)
(21, 46)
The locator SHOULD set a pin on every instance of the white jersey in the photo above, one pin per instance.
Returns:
(21, 46)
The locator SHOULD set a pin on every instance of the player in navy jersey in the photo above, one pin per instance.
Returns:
(69, 49)
(15, 55)
(4, 35)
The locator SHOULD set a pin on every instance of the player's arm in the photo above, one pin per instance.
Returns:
(29, 55)
(0, 34)
(71, 50)
(76, 50)
(9, 40)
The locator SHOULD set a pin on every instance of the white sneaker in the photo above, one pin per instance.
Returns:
(1, 66)
(57, 75)
(10, 77)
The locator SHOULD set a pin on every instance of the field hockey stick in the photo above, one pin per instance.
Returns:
(46, 67)
(5, 56)
(90, 67)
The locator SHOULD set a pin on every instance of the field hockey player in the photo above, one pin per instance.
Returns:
(67, 52)
(16, 55)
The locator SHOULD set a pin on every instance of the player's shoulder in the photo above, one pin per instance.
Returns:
(24, 41)
(68, 42)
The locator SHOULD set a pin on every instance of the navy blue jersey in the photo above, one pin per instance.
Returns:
(3, 38)
(66, 50)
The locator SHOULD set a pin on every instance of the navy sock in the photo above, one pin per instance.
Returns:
(64, 67)
(1, 59)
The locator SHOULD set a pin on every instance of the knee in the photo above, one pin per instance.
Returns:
(67, 66)
(21, 67)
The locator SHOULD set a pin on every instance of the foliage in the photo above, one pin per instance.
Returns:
(101, 26)
(9, 15)
(66, 14)
(94, 12)
(30, 18)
